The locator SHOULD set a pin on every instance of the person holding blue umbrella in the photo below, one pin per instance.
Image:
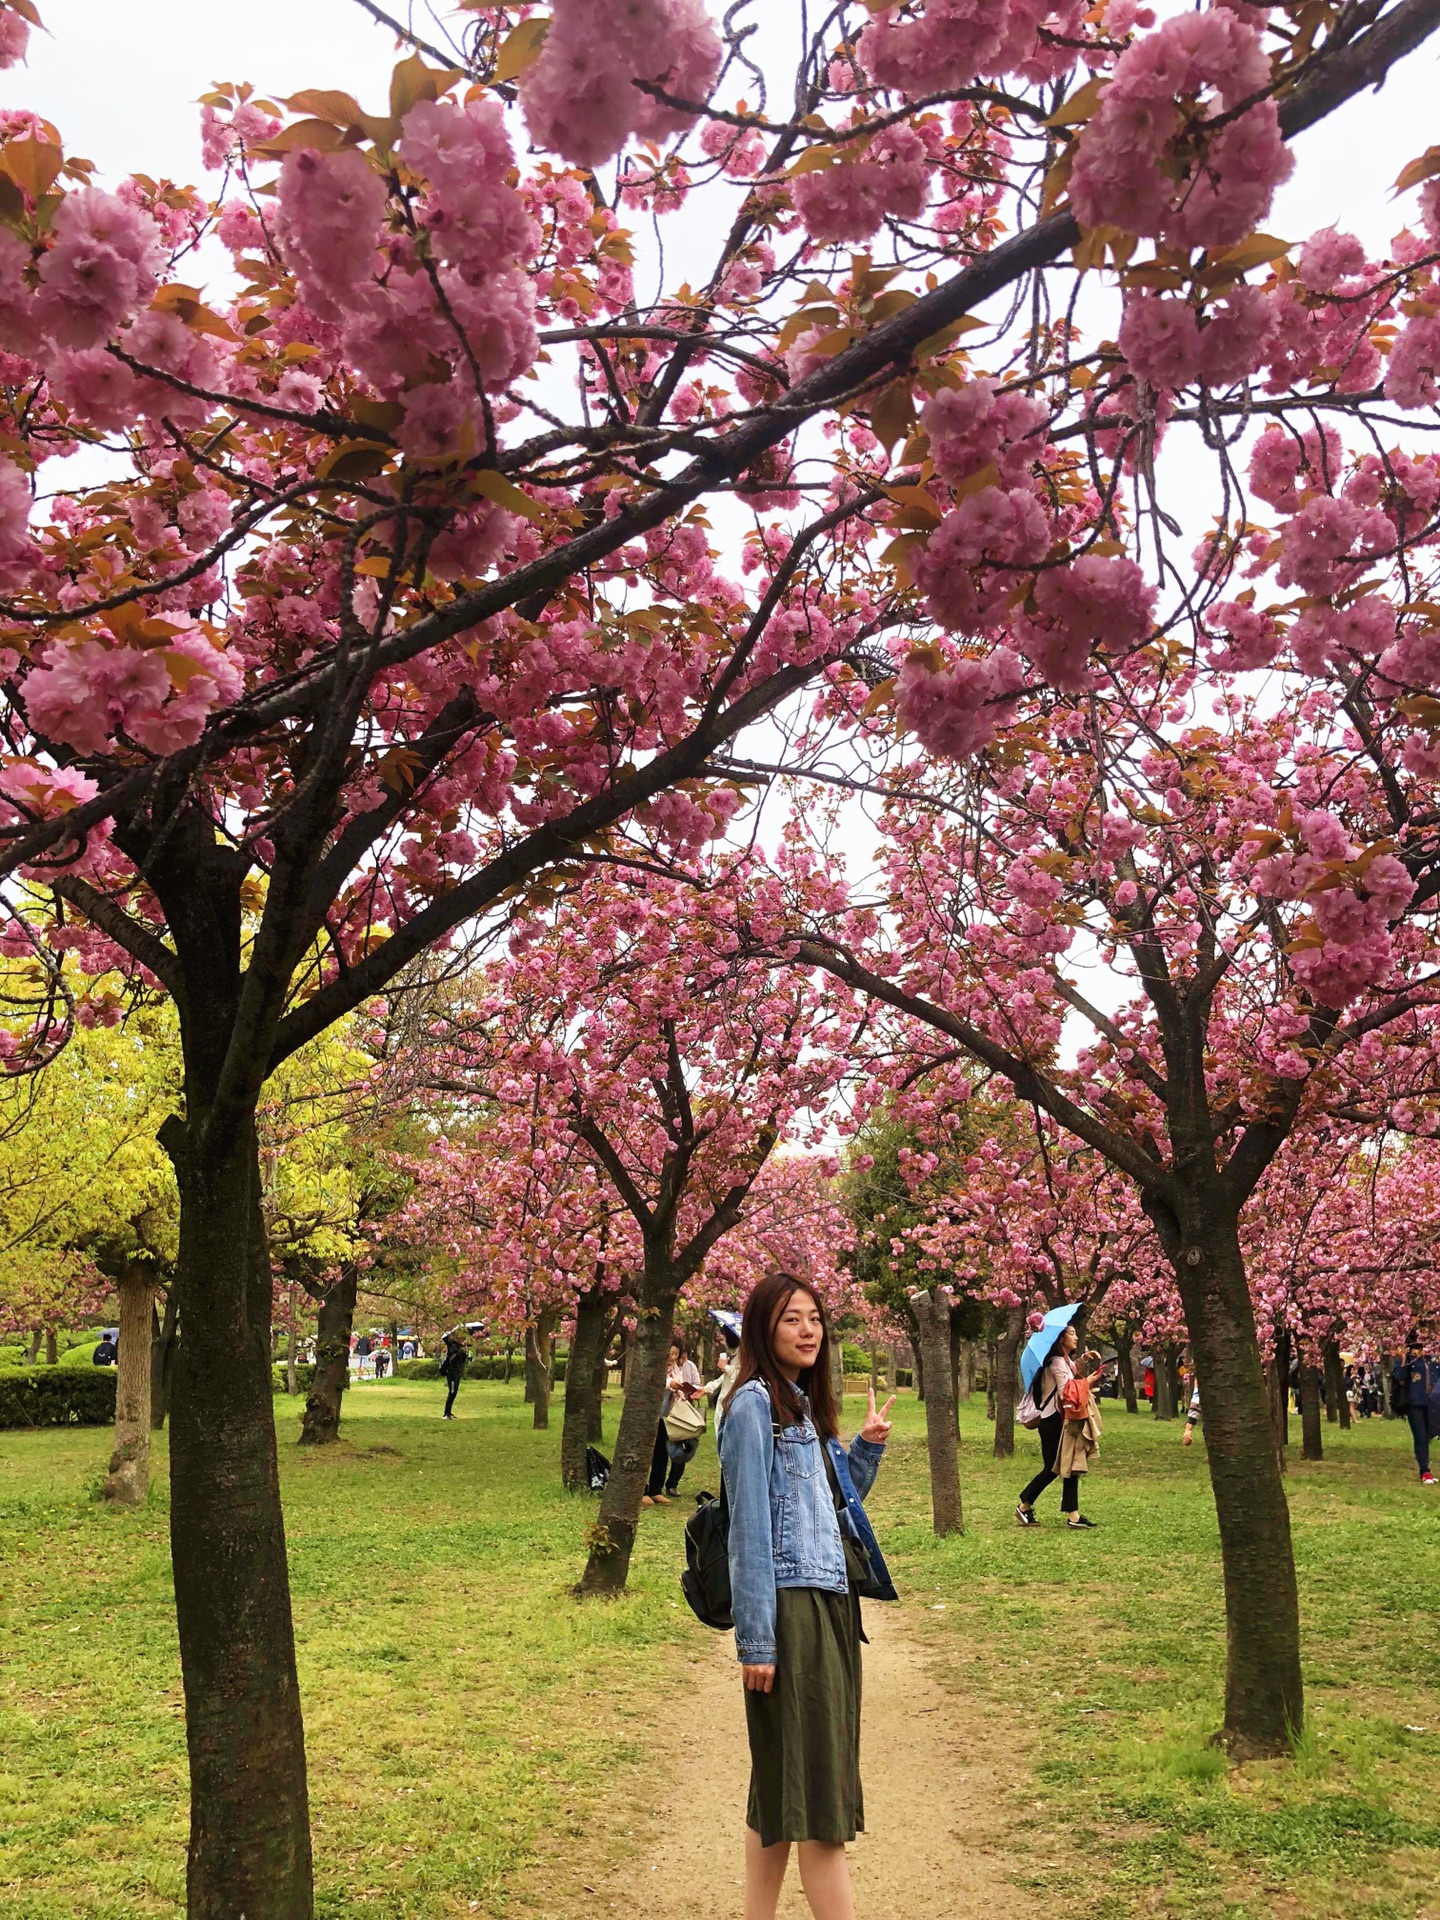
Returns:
(1046, 1367)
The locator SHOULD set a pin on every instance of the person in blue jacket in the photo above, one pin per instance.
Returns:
(800, 1546)
(1415, 1393)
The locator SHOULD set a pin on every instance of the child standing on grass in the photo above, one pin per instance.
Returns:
(801, 1554)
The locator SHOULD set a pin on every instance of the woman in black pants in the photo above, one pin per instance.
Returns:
(1045, 1390)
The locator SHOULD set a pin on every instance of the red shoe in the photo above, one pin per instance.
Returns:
(1427, 1480)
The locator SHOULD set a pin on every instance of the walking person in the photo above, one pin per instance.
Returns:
(802, 1555)
(1415, 1393)
(452, 1370)
(1047, 1389)
(674, 1451)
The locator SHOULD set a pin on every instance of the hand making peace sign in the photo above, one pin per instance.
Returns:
(877, 1428)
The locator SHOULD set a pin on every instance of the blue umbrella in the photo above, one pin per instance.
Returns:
(1038, 1346)
(730, 1322)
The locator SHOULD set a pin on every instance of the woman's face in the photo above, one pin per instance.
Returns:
(797, 1332)
(1069, 1340)
(675, 1353)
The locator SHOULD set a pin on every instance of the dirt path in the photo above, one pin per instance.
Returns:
(935, 1803)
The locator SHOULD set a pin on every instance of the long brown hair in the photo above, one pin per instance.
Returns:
(767, 1302)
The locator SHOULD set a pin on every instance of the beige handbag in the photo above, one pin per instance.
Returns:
(685, 1420)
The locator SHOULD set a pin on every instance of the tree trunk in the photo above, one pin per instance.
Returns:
(966, 1383)
(1282, 1386)
(1337, 1406)
(932, 1313)
(991, 1369)
(1275, 1397)
(595, 1432)
(1125, 1361)
(953, 1358)
(162, 1356)
(917, 1364)
(320, 1423)
(537, 1365)
(1007, 1359)
(837, 1368)
(128, 1481)
(1167, 1381)
(32, 1352)
(587, 1350)
(249, 1806)
(52, 1348)
(1264, 1690)
(612, 1538)
(1312, 1430)
(874, 1369)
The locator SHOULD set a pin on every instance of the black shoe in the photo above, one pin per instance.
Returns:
(1079, 1521)
(1026, 1516)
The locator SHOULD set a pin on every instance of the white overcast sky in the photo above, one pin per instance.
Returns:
(120, 78)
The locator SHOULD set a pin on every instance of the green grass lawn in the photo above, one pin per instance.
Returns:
(460, 1706)
(1105, 1654)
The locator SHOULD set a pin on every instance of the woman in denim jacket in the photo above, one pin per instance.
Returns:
(799, 1540)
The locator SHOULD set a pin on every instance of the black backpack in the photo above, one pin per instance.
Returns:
(597, 1469)
(705, 1582)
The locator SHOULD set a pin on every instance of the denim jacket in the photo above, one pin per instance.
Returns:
(783, 1527)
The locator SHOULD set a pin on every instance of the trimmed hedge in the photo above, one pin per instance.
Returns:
(57, 1397)
(490, 1366)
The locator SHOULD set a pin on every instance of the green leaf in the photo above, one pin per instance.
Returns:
(520, 50)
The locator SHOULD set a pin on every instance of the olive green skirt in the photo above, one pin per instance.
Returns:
(805, 1733)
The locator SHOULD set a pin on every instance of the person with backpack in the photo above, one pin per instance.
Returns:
(452, 1371)
(801, 1554)
(1415, 1396)
(1047, 1393)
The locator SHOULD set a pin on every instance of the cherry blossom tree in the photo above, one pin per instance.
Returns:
(396, 595)
(638, 1076)
(1246, 877)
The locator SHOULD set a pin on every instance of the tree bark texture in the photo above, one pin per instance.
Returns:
(249, 1805)
(587, 1351)
(612, 1538)
(1007, 1381)
(163, 1330)
(966, 1382)
(1264, 1692)
(1165, 1382)
(320, 1423)
(1337, 1406)
(991, 1368)
(1312, 1428)
(917, 1362)
(537, 1366)
(52, 1348)
(932, 1314)
(837, 1367)
(128, 1481)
